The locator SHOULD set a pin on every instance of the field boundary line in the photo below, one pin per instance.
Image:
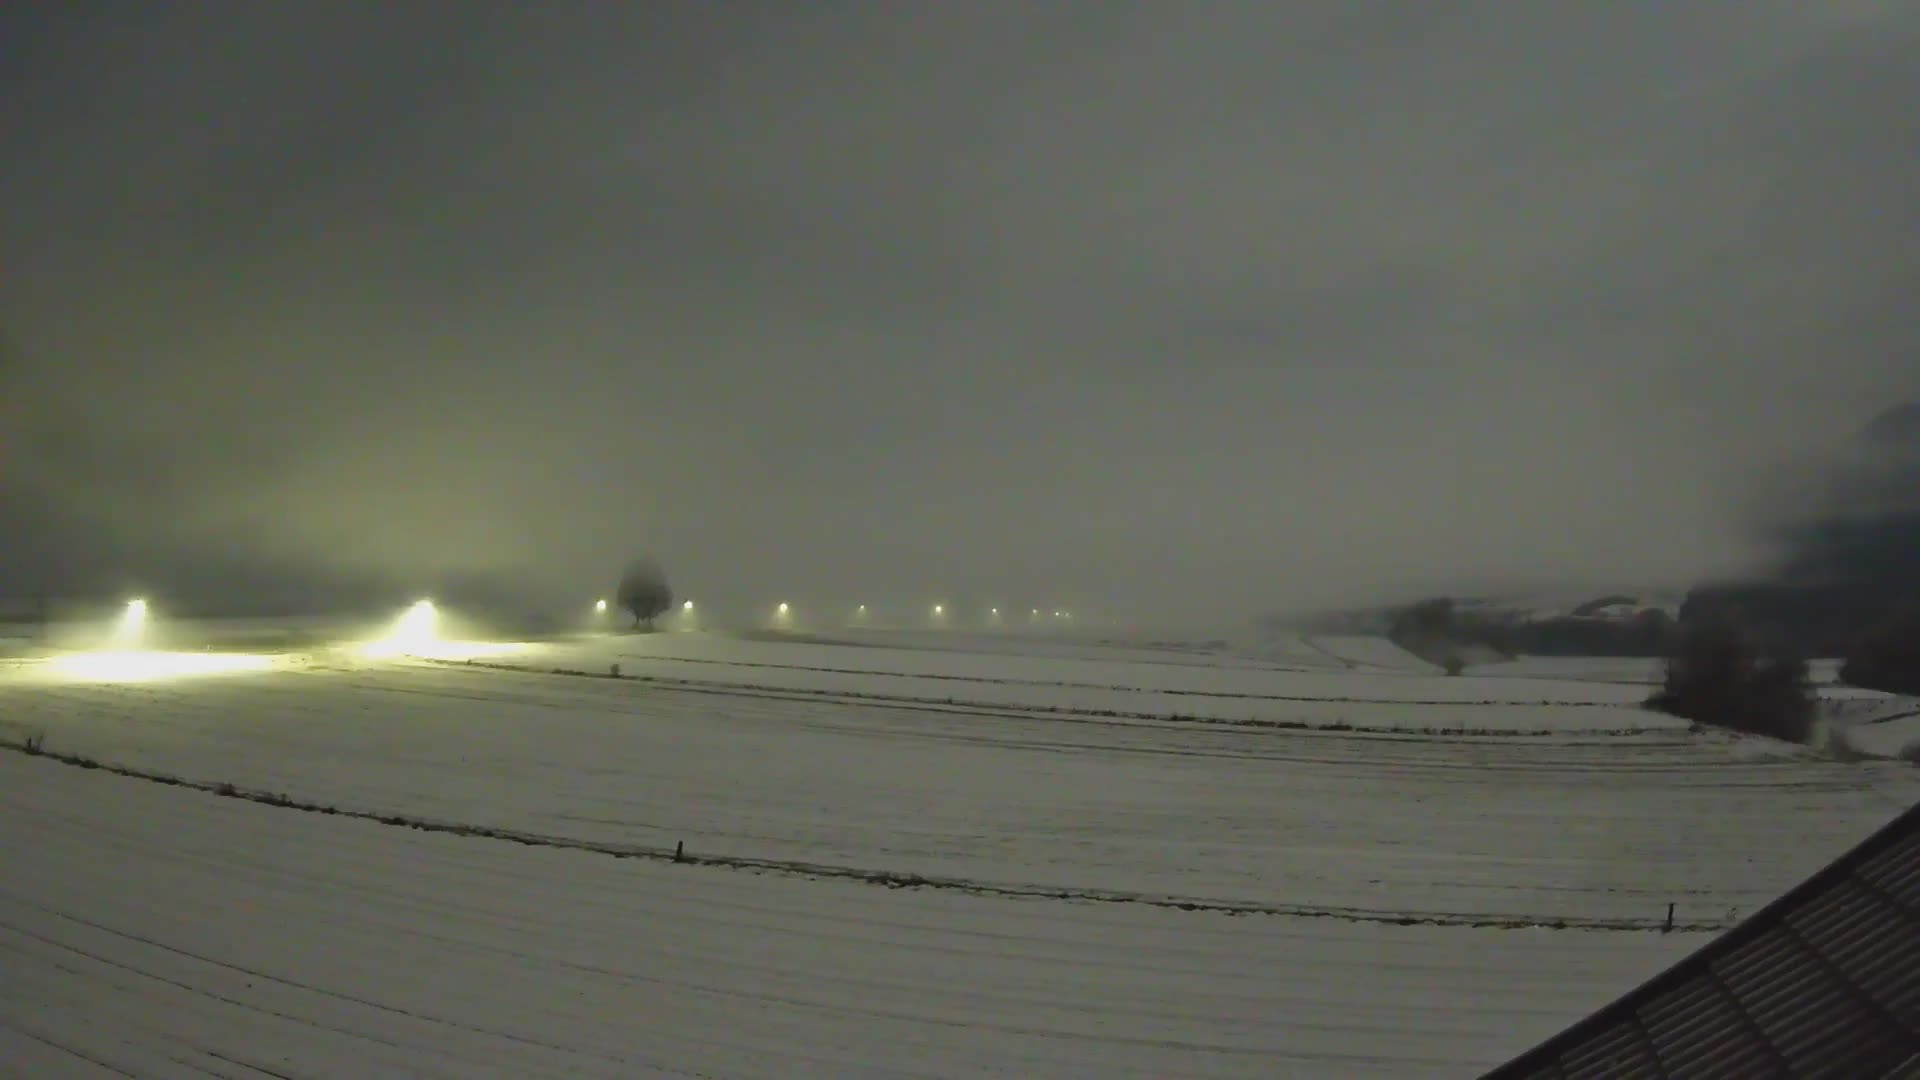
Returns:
(1015, 711)
(870, 876)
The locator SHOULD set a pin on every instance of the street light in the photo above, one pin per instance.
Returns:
(419, 622)
(133, 622)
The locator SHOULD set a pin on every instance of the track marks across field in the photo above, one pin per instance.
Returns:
(1538, 829)
(163, 933)
(883, 877)
(1068, 681)
(1057, 684)
(1428, 723)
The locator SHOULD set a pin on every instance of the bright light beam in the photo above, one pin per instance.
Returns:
(133, 624)
(416, 630)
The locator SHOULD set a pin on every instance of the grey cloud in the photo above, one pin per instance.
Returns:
(1172, 311)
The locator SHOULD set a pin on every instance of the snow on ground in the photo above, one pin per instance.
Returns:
(1367, 654)
(1894, 737)
(344, 944)
(1515, 828)
(1638, 672)
(1198, 687)
(1871, 722)
(161, 933)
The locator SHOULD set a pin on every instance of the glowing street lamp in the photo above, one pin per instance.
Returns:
(687, 607)
(939, 610)
(133, 622)
(783, 609)
(414, 631)
(600, 607)
(418, 623)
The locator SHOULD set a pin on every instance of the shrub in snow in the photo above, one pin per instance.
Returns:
(1718, 674)
(1910, 753)
(1888, 658)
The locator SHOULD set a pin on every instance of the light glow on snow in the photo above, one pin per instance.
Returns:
(416, 633)
(912, 805)
(417, 629)
(139, 665)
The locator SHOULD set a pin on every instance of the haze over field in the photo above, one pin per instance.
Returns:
(1184, 312)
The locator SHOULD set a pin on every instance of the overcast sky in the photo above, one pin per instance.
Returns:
(1175, 310)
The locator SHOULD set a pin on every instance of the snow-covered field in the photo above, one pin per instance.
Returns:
(911, 854)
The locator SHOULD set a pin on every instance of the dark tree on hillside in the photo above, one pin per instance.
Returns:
(1426, 620)
(1719, 674)
(644, 593)
(1889, 657)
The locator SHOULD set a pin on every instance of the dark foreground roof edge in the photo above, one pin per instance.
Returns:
(1550, 1051)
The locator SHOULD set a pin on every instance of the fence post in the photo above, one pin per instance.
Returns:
(680, 851)
(1668, 929)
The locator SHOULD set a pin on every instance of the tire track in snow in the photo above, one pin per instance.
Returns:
(200, 991)
(1065, 712)
(879, 877)
(295, 984)
(1052, 684)
(63, 1048)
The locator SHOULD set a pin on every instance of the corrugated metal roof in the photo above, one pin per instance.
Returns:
(1823, 982)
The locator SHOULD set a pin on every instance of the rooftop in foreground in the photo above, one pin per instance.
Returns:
(1824, 981)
